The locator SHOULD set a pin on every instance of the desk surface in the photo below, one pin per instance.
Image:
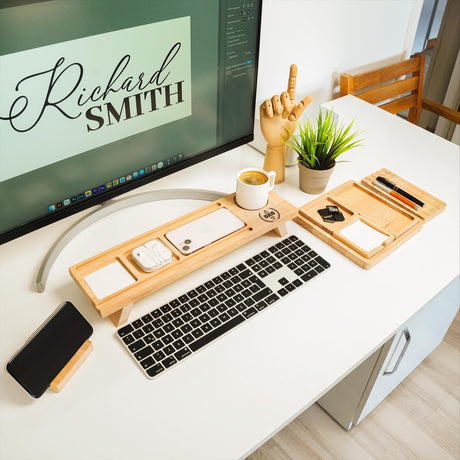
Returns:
(235, 394)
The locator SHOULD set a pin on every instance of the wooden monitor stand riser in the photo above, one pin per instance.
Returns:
(118, 305)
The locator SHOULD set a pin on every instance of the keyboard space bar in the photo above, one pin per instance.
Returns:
(205, 339)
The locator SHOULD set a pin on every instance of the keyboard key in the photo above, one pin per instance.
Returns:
(149, 338)
(127, 339)
(169, 350)
(147, 318)
(166, 318)
(159, 355)
(215, 333)
(188, 338)
(143, 353)
(168, 362)
(138, 334)
(183, 353)
(215, 322)
(197, 333)
(262, 294)
(322, 262)
(155, 370)
(271, 299)
(157, 345)
(158, 323)
(309, 275)
(206, 328)
(186, 328)
(136, 346)
(178, 344)
(137, 324)
(282, 292)
(148, 362)
(249, 312)
(224, 317)
(261, 305)
(166, 308)
(159, 333)
(192, 293)
(177, 333)
(147, 328)
(174, 303)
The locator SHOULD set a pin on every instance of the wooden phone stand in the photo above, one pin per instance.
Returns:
(61, 380)
(118, 305)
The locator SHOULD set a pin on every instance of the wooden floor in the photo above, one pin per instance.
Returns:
(418, 420)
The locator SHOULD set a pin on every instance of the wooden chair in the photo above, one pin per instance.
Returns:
(386, 84)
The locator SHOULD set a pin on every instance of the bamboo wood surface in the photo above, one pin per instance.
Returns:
(61, 380)
(375, 208)
(258, 222)
(419, 420)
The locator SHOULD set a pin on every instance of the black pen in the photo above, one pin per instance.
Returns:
(400, 191)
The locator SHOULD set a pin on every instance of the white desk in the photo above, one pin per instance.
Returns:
(235, 394)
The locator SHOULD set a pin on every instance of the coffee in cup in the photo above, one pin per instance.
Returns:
(253, 178)
(252, 187)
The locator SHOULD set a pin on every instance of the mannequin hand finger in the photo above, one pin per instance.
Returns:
(286, 102)
(295, 114)
(292, 82)
(277, 106)
(267, 108)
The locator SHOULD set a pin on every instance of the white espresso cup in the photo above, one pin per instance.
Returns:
(252, 187)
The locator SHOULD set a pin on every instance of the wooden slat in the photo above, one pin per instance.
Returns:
(400, 104)
(389, 91)
(391, 72)
(441, 110)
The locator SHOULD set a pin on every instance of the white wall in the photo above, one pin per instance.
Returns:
(327, 37)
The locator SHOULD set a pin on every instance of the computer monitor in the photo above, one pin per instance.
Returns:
(100, 97)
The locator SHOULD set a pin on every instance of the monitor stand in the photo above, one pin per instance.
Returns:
(109, 207)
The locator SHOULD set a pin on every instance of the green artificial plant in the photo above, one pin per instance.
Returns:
(322, 140)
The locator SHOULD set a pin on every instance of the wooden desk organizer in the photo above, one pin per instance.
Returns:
(118, 305)
(375, 208)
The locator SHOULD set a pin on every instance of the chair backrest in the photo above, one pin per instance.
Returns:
(387, 85)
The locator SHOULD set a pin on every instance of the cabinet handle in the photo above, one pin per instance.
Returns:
(403, 352)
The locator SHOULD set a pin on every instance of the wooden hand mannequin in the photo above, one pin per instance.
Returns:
(277, 115)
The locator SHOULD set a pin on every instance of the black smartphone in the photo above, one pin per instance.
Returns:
(49, 349)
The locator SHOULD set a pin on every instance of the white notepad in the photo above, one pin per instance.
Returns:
(109, 280)
(363, 235)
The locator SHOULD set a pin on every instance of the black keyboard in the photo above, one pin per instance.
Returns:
(171, 333)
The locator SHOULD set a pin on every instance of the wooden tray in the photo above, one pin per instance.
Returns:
(118, 305)
(372, 206)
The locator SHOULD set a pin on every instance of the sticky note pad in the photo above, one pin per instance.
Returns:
(108, 280)
(363, 235)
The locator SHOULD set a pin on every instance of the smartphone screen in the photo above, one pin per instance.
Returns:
(50, 348)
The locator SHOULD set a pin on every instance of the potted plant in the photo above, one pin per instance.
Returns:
(319, 143)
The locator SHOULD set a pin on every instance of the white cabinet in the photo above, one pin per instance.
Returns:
(365, 387)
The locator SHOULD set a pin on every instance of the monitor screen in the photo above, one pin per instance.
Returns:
(100, 97)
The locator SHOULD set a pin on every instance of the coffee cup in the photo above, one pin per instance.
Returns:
(252, 187)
